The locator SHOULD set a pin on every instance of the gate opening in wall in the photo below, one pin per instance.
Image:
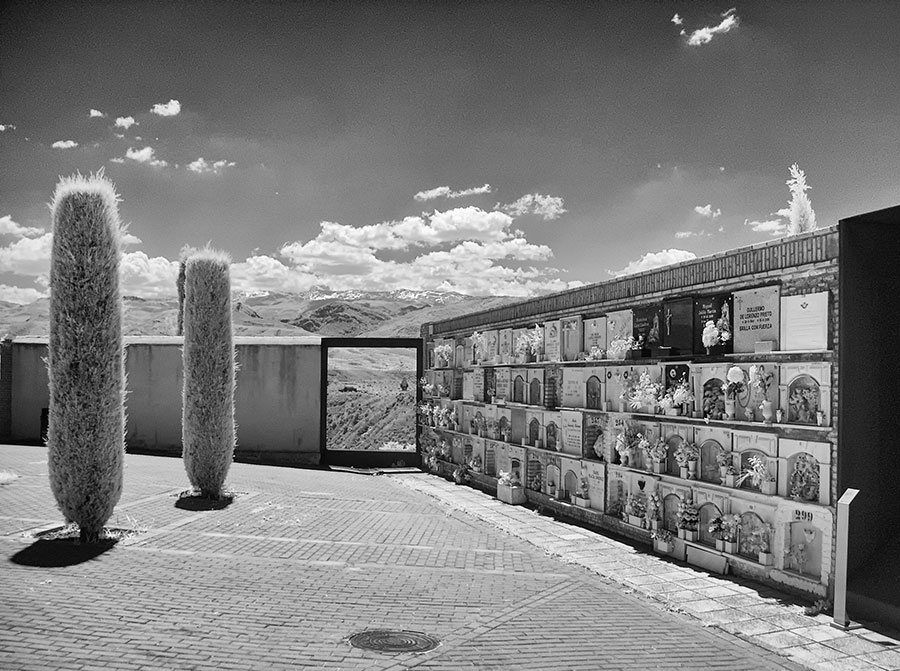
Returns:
(370, 393)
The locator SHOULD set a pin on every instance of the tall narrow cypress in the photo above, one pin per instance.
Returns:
(208, 431)
(186, 251)
(86, 365)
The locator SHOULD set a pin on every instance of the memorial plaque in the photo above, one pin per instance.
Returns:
(572, 339)
(619, 326)
(490, 384)
(756, 317)
(716, 309)
(551, 340)
(469, 385)
(491, 349)
(595, 333)
(678, 325)
(572, 388)
(501, 383)
(478, 384)
(677, 373)
(469, 352)
(506, 345)
(571, 432)
(596, 475)
(804, 322)
(516, 334)
(646, 325)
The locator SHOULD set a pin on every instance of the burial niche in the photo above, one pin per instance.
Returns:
(594, 401)
(519, 389)
(803, 400)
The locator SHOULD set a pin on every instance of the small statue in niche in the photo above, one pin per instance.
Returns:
(804, 478)
(653, 334)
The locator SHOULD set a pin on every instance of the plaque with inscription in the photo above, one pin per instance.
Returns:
(646, 325)
(596, 475)
(678, 325)
(505, 345)
(804, 322)
(756, 317)
(571, 432)
(619, 326)
(595, 333)
(570, 328)
(490, 346)
(551, 340)
(501, 382)
(469, 385)
(572, 388)
(716, 309)
(478, 384)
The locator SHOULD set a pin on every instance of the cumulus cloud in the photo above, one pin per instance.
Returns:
(708, 211)
(28, 256)
(6, 127)
(202, 166)
(677, 20)
(145, 155)
(129, 239)
(96, 114)
(706, 34)
(125, 122)
(548, 207)
(19, 295)
(654, 260)
(774, 227)
(141, 275)
(171, 108)
(447, 192)
(64, 144)
(9, 227)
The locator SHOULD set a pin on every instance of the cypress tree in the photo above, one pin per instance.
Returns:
(86, 364)
(208, 431)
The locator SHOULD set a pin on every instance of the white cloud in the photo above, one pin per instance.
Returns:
(6, 127)
(447, 192)
(548, 207)
(774, 227)
(677, 20)
(654, 260)
(20, 295)
(708, 211)
(27, 256)
(9, 227)
(171, 108)
(147, 277)
(145, 155)
(117, 159)
(64, 144)
(96, 114)
(706, 34)
(129, 239)
(125, 122)
(201, 166)
(685, 234)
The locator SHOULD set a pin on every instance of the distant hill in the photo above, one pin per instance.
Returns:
(318, 311)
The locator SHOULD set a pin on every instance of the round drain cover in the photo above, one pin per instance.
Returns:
(384, 640)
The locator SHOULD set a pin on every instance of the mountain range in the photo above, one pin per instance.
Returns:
(318, 311)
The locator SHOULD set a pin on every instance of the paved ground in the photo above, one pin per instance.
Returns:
(303, 559)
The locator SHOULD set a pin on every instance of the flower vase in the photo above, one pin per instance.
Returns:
(723, 471)
(635, 520)
(659, 467)
(731, 480)
(684, 473)
(820, 418)
(766, 558)
(622, 406)
(692, 470)
(688, 534)
(768, 487)
(673, 412)
(731, 547)
(779, 415)
(767, 412)
(654, 525)
(720, 545)
(662, 547)
(729, 408)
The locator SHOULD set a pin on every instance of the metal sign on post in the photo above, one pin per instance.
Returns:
(841, 621)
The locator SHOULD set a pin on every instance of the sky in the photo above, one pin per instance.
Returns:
(489, 148)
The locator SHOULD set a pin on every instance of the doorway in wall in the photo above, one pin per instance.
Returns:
(369, 398)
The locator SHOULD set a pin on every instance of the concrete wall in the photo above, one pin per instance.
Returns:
(277, 402)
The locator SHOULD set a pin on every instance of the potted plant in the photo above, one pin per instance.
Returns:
(724, 459)
(635, 509)
(663, 541)
(637, 349)
(656, 455)
(644, 394)
(442, 355)
(510, 489)
(537, 482)
(757, 472)
(674, 400)
(628, 442)
(475, 464)
(461, 474)
(618, 348)
(725, 529)
(686, 456)
(582, 496)
(731, 477)
(596, 354)
(736, 379)
(761, 381)
(757, 542)
(688, 518)
(651, 516)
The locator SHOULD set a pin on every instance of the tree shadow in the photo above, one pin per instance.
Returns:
(197, 502)
(56, 552)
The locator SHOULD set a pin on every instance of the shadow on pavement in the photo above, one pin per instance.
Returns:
(61, 552)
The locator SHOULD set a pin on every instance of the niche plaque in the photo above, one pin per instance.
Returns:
(756, 318)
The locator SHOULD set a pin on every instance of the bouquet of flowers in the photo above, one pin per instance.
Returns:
(443, 352)
(644, 392)
(688, 516)
(761, 380)
(715, 333)
(676, 396)
(658, 451)
(686, 452)
(736, 380)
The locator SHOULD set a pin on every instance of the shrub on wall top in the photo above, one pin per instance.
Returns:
(208, 431)
(86, 433)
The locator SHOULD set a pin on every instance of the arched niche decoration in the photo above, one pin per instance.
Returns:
(553, 476)
(593, 396)
(550, 392)
(804, 552)
(515, 470)
(535, 392)
(745, 464)
(670, 505)
(804, 396)
(535, 474)
(552, 436)
(570, 483)
(504, 426)
(519, 389)
(708, 512)
(709, 466)
(713, 402)
(479, 421)
(467, 452)
(534, 432)
(672, 443)
(750, 522)
(803, 477)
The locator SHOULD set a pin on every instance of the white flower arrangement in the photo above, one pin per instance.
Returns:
(645, 392)
(443, 351)
(531, 341)
(676, 396)
(618, 347)
(736, 380)
(761, 380)
(715, 335)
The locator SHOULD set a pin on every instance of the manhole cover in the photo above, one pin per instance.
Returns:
(393, 641)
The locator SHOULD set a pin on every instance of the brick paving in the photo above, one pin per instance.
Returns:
(303, 559)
